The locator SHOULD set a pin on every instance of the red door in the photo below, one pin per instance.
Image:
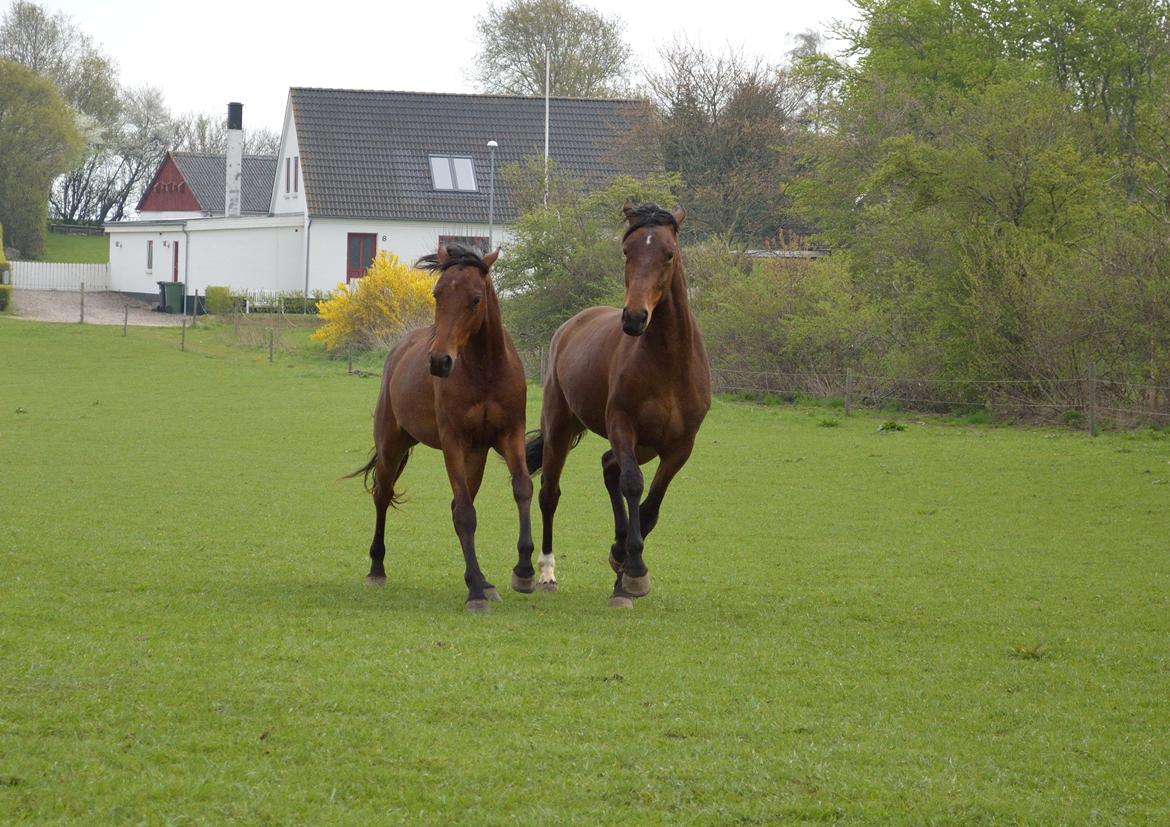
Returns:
(360, 248)
(175, 264)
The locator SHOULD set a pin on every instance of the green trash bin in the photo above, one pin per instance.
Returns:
(174, 295)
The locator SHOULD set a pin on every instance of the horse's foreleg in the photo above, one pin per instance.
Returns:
(634, 579)
(611, 471)
(512, 448)
(672, 462)
(465, 470)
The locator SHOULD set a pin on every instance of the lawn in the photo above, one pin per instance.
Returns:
(77, 249)
(946, 624)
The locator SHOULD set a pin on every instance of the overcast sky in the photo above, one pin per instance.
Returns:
(207, 53)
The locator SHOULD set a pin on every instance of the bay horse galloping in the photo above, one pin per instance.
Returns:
(637, 376)
(457, 386)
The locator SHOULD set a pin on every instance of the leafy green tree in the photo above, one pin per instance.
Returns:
(588, 57)
(567, 256)
(38, 140)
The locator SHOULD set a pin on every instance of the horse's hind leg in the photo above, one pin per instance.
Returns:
(559, 427)
(387, 469)
(513, 449)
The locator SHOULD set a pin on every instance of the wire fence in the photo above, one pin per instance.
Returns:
(1089, 401)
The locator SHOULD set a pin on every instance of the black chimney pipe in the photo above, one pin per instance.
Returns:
(235, 116)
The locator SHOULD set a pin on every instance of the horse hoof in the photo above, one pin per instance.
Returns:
(491, 594)
(476, 607)
(524, 585)
(614, 564)
(375, 580)
(637, 586)
(621, 601)
(547, 585)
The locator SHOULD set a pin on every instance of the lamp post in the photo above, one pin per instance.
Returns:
(492, 197)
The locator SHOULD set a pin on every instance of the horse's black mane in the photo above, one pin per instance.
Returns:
(457, 254)
(648, 215)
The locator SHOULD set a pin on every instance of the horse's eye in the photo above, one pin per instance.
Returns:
(475, 302)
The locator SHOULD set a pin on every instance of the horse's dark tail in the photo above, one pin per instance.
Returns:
(364, 471)
(396, 497)
(534, 451)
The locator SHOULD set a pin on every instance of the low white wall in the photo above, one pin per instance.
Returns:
(52, 275)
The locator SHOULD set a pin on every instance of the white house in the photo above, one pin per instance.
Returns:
(358, 171)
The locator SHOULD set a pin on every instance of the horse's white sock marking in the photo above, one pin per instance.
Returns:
(547, 564)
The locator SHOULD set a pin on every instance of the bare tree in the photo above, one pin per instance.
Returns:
(588, 57)
(725, 122)
(207, 132)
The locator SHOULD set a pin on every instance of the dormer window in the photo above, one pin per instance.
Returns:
(453, 173)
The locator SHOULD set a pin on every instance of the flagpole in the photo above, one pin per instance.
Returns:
(547, 72)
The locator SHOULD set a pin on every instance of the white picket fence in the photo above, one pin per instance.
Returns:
(52, 275)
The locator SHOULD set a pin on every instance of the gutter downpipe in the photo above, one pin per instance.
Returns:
(308, 251)
(186, 272)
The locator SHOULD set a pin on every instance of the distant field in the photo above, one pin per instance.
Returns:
(947, 624)
(77, 249)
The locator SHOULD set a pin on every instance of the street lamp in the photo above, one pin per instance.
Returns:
(492, 197)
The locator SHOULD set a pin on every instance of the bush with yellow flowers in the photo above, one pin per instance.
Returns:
(375, 310)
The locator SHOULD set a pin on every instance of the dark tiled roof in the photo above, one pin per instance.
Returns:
(365, 153)
(206, 175)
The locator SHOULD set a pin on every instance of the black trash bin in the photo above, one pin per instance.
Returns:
(162, 297)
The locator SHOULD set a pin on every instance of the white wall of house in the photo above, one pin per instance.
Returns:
(262, 253)
(129, 268)
(328, 243)
(247, 254)
(288, 199)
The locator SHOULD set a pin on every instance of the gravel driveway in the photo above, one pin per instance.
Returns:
(100, 308)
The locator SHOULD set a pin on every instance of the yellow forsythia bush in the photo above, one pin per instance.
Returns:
(375, 310)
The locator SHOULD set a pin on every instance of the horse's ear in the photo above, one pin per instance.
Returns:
(441, 255)
(628, 209)
(679, 215)
(490, 258)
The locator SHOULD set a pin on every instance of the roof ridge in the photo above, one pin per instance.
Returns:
(462, 94)
(193, 154)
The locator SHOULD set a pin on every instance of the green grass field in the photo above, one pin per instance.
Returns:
(77, 249)
(948, 624)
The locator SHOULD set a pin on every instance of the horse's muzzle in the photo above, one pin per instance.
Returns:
(441, 364)
(634, 324)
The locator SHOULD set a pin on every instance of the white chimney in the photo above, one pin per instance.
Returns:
(235, 159)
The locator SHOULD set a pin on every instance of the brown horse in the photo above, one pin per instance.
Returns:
(637, 376)
(457, 386)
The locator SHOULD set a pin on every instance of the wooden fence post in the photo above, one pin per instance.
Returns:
(125, 320)
(82, 319)
(270, 345)
(848, 391)
(1092, 399)
(349, 361)
(195, 309)
(183, 336)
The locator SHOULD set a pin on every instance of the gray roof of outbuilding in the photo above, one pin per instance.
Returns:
(365, 153)
(206, 175)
